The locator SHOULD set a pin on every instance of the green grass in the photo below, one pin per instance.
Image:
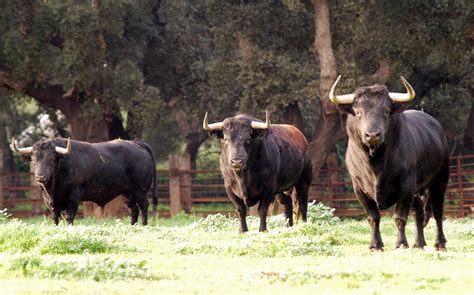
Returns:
(187, 254)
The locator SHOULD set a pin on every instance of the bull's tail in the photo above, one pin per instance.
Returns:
(426, 203)
(154, 200)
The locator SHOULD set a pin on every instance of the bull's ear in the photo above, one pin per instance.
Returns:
(259, 133)
(216, 133)
(397, 107)
(346, 109)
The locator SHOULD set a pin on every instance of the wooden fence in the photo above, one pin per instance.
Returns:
(184, 190)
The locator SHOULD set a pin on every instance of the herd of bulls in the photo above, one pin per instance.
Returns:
(394, 157)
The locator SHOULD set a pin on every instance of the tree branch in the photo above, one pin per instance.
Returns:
(7, 82)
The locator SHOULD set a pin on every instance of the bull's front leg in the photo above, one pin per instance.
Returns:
(241, 209)
(55, 213)
(263, 206)
(72, 211)
(401, 217)
(287, 204)
(373, 213)
(419, 218)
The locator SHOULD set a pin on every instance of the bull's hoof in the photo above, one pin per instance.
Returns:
(376, 248)
(440, 247)
(403, 246)
(418, 246)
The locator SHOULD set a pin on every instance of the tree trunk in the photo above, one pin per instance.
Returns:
(469, 131)
(193, 142)
(329, 129)
(292, 115)
(8, 163)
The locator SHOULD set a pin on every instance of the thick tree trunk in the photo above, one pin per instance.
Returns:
(469, 131)
(292, 115)
(8, 163)
(329, 129)
(114, 124)
(193, 142)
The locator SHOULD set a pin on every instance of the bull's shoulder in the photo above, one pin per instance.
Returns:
(420, 117)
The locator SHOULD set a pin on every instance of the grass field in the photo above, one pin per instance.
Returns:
(191, 255)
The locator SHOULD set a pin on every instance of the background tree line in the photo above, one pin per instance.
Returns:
(149, 69)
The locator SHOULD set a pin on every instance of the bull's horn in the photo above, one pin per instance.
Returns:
(340, 99)
(24, 151)
(260, 125)
(211, 127)
(66, 150)
(403, 97)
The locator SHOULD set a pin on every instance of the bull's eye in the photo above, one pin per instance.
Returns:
(358, 113)
(387, 112)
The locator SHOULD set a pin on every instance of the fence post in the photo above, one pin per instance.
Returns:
(332, 177)
(174, 183)
(187, 177)
(460, 190)
(1, 179)
(35, 192)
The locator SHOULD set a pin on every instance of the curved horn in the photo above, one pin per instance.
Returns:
(211, 127)
(24, 151)
(66, 150)
(403, 97)
(340, 99)
(260, 125)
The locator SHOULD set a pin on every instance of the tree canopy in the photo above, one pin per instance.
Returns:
(150, 69)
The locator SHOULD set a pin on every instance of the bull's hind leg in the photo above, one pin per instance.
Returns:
(132, 206)
(287, 203)
(419, 220)
(142, 202)
(302, 189)
(437, 191)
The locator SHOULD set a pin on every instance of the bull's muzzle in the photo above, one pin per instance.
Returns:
(372, 137)
(237, 164)
(41, 178)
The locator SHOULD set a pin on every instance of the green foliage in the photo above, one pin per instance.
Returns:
(445, 102)
(4, 216)
(16, 236)
(316, 237)
(84, 268)
(280, 67)
(325, 253)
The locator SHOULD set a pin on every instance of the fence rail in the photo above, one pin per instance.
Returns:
(186, 189)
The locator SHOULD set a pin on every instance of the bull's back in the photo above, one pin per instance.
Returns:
(116, 164)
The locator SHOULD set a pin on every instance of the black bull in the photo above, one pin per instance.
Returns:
(259, 161)
(395, 157)
(73, 171)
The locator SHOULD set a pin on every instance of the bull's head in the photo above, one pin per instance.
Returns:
(369, 110)
(238, 136)
(44, 155)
